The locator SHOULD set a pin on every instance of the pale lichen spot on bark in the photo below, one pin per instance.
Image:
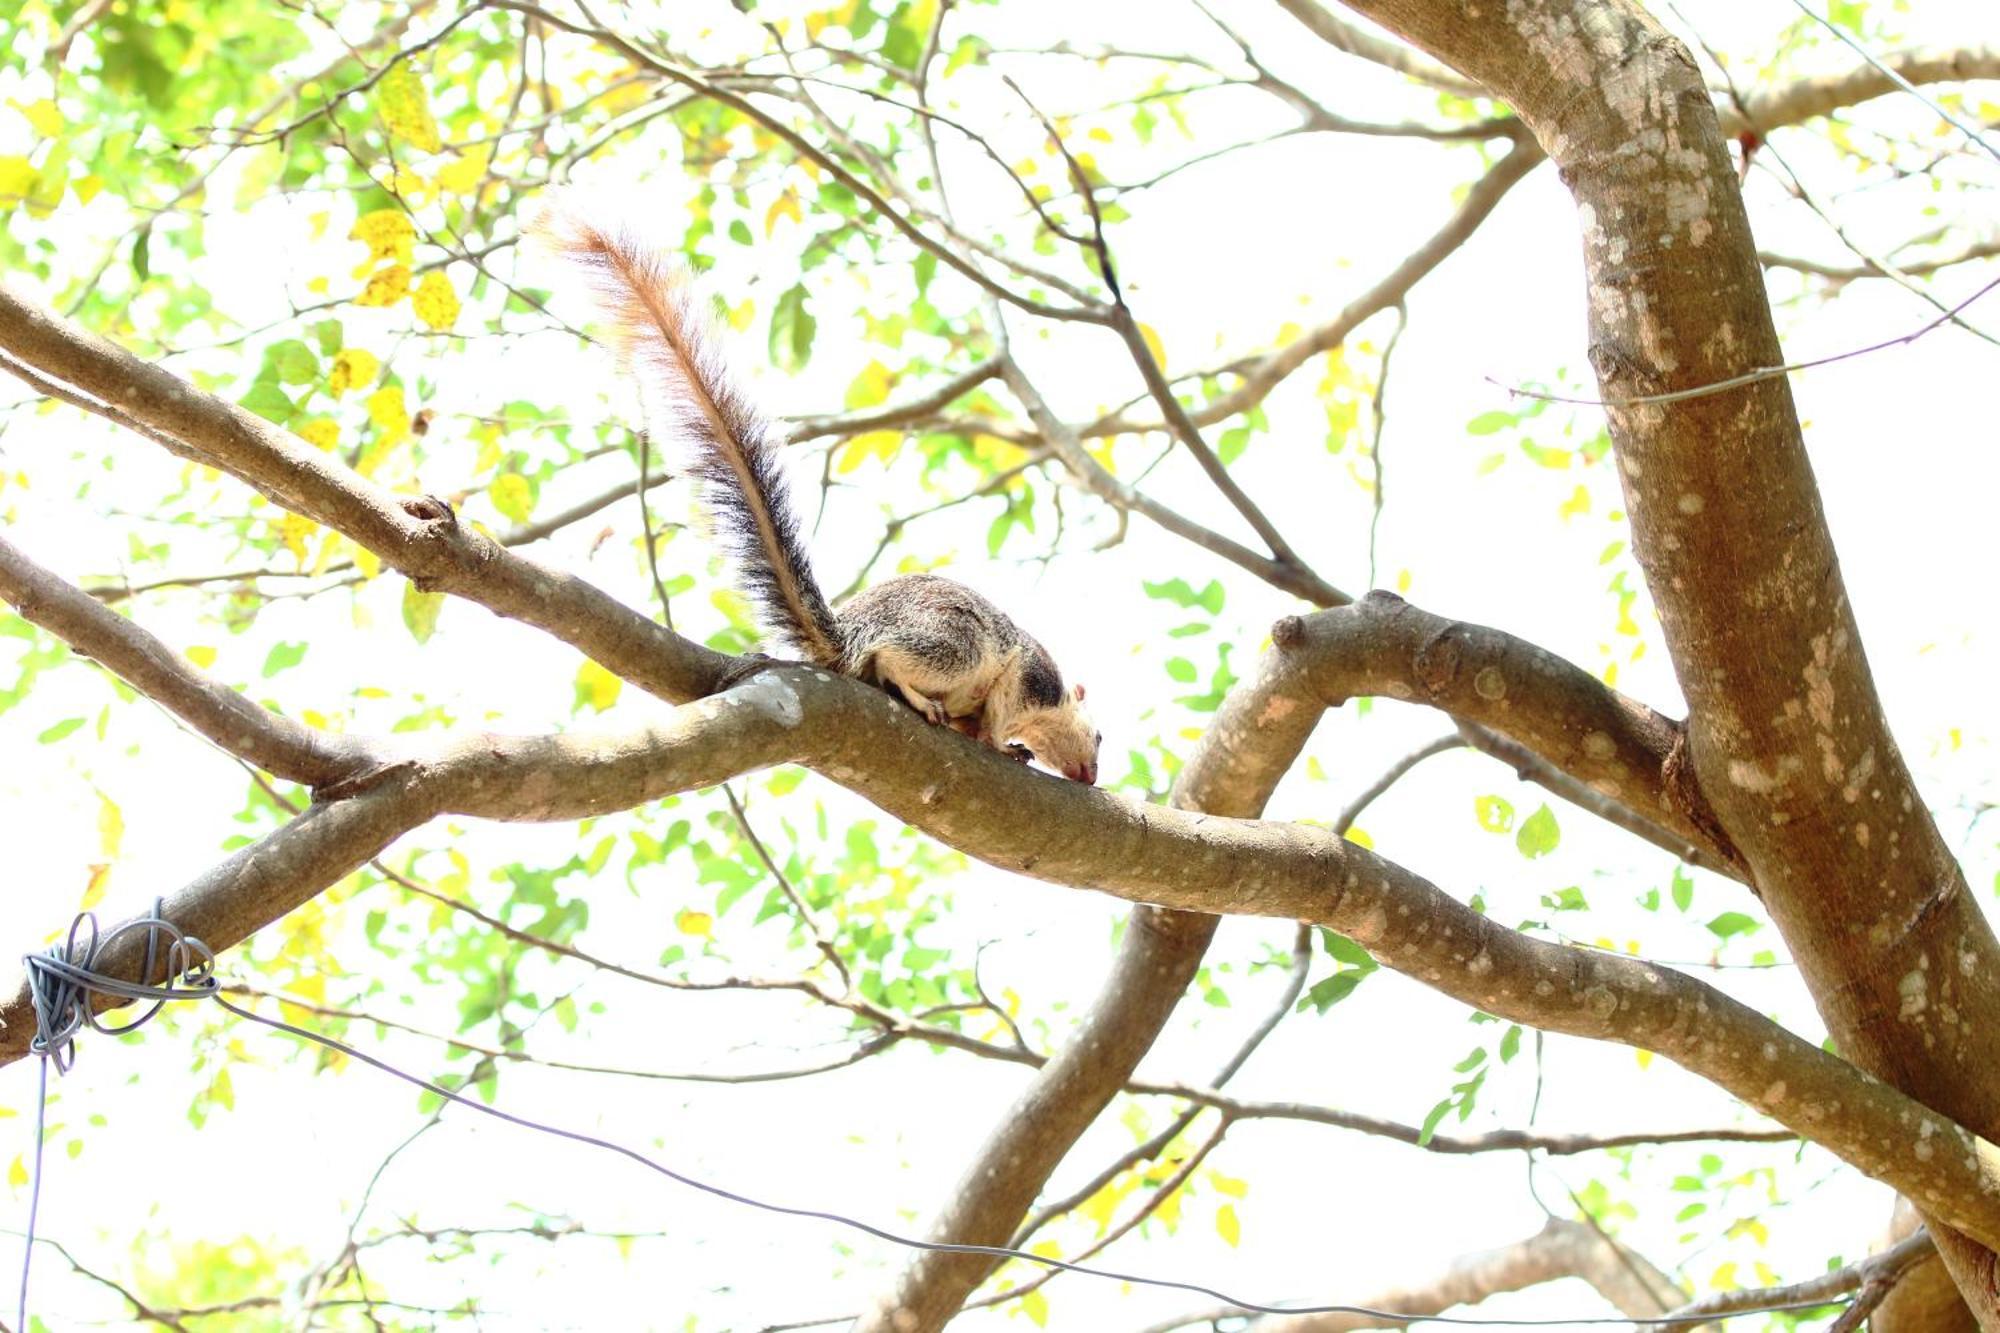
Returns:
(1772, 1095)
(771, 694)
(1490, 684)
(1754, 777)
(1690, 503)
(1599, 745)
(1858, 773)
(1915, 990)
(1861, 834)
(1276, 707)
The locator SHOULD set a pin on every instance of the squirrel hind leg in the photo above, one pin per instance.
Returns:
(932, 709)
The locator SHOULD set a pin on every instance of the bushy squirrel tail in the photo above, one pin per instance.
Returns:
(665, 340)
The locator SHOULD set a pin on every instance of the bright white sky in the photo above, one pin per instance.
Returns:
(1903, 442)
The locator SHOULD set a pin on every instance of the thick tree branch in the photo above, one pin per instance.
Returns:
(273, 742)
(1802, 99)
(1561, 714)
(419, 538)
(1257, 735)
(1020, 820)
(1786, 735)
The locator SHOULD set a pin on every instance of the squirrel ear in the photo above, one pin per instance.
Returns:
(1079, 691)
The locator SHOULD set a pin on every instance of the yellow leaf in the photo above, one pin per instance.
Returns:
(463, 175)
(692, 922)
(1645, 1058)
(385, 287)
(87, 187)
(1099, 133)
(295, 532)
(435, 302)
(1036, 1306)
(598, 688)
(1234, 1188)
(94, 887)
(882, 444)
(353, 368)
(17, 177)
(1578, 503)
(313, 718)
(110, 825)
(1402, 580)
(406, 108)
(17, 1174)
(870, 387)
(319, 286)
(997, 453)
(785, 205)
(386, 409)
(389, 235)
(43, 115)
(512, 496)
(1360, 838)
(367, 562)
(322, 433)
(201, 655)
(1226, 1225)
(1154, 345)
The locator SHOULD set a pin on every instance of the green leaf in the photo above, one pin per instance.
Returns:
(1345, 951)
(1331, 991)
(1496, 813)
(268, 401)
(792, 328)
(283, 657)
(1488, 422)
(1510, 1043)
(420, 611)
(290, 362)
(1438, 1113)
(1182, 594)
(1733, 923)
(1538, 835)
(60, 730)
(1683, 889)
(1181, 670)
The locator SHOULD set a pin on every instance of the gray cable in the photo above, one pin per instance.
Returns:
(62, 980)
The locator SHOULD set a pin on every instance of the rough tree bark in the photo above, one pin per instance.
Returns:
(1785, 773)
(1787, 740)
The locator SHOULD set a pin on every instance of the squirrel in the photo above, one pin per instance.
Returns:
(948, 652)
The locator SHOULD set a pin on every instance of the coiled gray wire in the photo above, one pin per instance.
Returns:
(62, 979)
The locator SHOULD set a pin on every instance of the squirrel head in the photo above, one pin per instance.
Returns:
(1061, 736)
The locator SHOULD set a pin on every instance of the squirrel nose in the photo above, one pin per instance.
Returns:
(1085, 773)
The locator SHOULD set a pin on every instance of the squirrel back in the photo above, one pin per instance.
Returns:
(663, 337)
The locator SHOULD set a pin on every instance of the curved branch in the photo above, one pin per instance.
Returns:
(987, 806)
(1562, 715)
(419, 538)
(1786, 735)
(1803, 99)
(269, 740)
(1258, 734)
